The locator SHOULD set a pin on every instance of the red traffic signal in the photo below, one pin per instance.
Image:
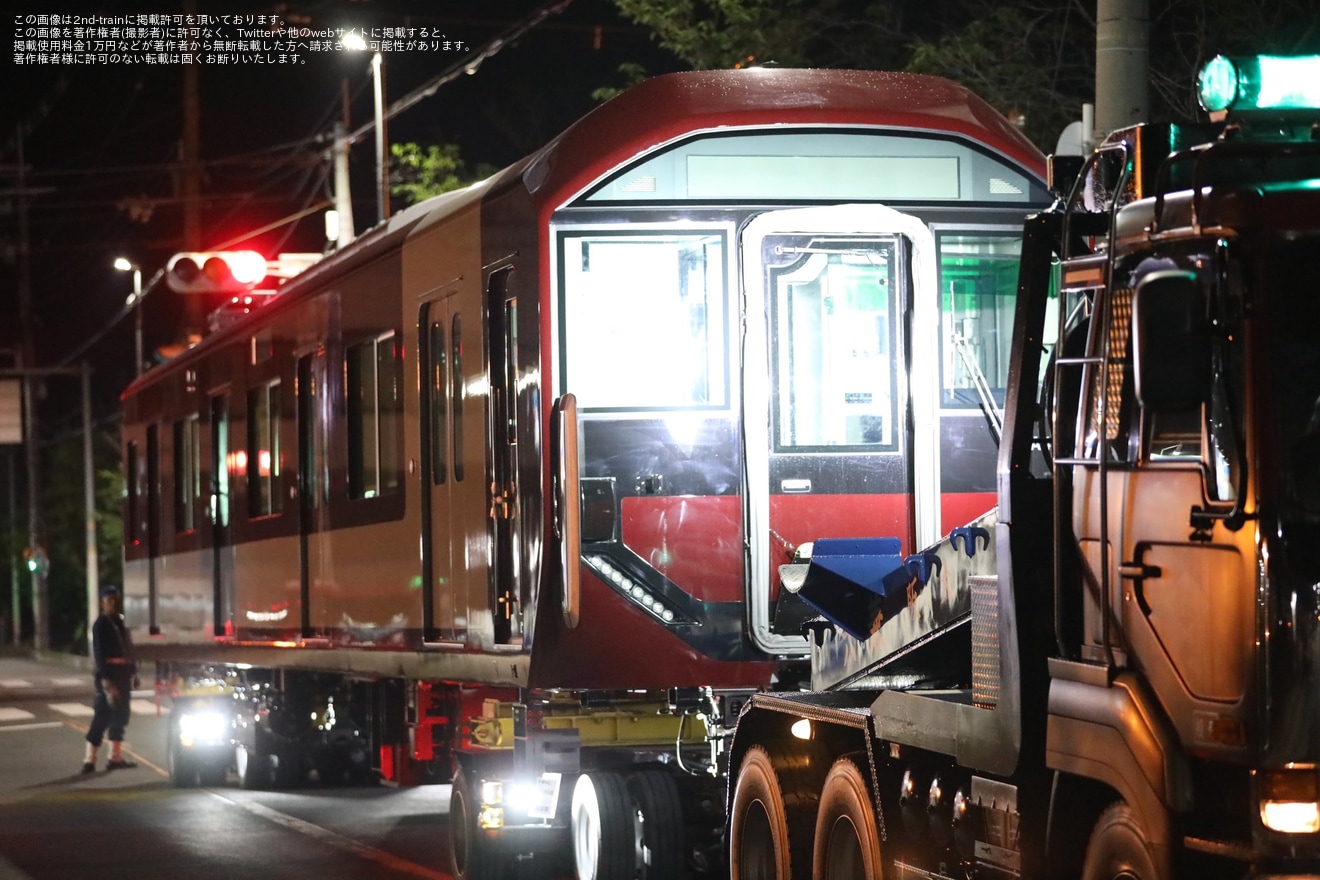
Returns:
(215, 271)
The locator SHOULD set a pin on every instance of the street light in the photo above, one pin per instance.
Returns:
(134, 302)
(354, 43)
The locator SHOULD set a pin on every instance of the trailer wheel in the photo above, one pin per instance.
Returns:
(774, 808)
(183, 770)
(1119, 849)
(253, 766)
(468, 859)
(847, 845)
(213, 775)
(604, 834)
(660, 837)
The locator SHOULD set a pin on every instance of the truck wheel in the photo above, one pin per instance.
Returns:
(655, 797)
(773, 816)
(1118, 849)
(604, 836)
(847, 843)
(472, 854)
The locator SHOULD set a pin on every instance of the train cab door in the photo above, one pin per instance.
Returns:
(444, 606)
(502, 346)
(222, 563)
(839, 443)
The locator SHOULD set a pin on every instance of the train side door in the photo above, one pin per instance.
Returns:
(502, 345)
(313, 471)
(831, 448)
(222, 562)
(444, 607)
(153, 527)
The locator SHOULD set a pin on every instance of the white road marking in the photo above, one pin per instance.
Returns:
(142, 707)
(39, 725)
(15, 683)
(73, 710)
(330, 838)
(9, 713)
(71, 680)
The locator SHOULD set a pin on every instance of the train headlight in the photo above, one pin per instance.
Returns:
(1290, 800)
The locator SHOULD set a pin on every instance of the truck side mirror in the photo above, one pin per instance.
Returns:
(1171, 341)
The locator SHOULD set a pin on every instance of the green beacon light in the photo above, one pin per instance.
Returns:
(1260, 82)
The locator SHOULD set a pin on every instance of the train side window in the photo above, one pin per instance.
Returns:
(187, 472)
(978, 293)
(458, 395)
(263, 450)
(645, 323)
(374, 415)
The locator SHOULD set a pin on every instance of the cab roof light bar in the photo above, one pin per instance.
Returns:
(1259, 82)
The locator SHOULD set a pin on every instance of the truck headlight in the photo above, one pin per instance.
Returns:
(1290, 800)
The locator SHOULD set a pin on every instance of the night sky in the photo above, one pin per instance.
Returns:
(102, 142)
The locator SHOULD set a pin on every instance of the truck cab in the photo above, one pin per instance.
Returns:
(1112, 674)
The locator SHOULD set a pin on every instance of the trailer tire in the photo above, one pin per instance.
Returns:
(604, 831)
(472, 854)
(847, 842)
(183, 770)
(663, 850)
(213, 775)
(1119, 848)
(253, 766)
(773, 814)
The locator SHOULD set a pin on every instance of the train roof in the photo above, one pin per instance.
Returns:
(667, 108)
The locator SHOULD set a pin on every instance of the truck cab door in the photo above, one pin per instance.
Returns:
(1179, 602)
(838, 444)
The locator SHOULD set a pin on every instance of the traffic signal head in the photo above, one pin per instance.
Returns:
(215, 271)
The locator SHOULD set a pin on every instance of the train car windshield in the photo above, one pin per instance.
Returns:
(645, 318)
(844, 166)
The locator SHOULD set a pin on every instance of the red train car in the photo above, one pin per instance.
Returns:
(500, 491)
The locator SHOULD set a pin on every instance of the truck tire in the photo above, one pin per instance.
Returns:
(1118, 848)
(655, 797)
(847, 841)
(603, 828)
(774, 813)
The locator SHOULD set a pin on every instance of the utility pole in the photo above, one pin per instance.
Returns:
(1122, 62)
(27, 361)
(190, 148)
(89, 506)
(343, 196)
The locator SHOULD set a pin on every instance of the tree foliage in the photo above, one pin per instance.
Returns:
(417, 173)
(1034, 60)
